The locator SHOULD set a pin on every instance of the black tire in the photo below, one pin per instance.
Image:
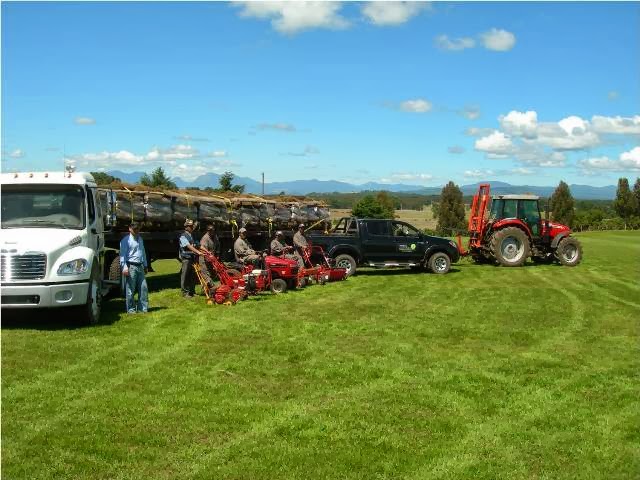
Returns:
(89, 314)
(569, 252)
(510, 247)
(439, 263)
(115, 273)
(347, 262)
(278, 285)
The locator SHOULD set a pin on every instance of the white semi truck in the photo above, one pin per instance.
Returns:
(52, 243)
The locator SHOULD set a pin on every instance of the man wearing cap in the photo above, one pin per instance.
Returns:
(188, 254)
(134, 264)
(211, 243)
(300, 240)
(242, 249)
(280, 249)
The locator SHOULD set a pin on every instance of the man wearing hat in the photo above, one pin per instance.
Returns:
(280, 249)
(300, 240)
(134, 264)
(242, 249)
(211, 243)
(188, 254)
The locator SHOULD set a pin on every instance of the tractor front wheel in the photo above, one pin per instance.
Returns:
(569, 252)
(510, 247)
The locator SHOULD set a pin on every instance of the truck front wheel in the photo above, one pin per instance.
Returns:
(347, 262)
(90, 312)
(439, 263)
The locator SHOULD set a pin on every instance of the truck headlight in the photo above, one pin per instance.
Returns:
(74, 267)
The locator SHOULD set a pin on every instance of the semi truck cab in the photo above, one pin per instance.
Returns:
(52, 243)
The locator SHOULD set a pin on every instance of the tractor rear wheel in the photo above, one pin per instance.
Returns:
(510, 246)
(569, 252)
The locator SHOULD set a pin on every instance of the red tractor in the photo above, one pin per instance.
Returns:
(514, 230)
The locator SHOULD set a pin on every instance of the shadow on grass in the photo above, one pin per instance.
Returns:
(397, 271)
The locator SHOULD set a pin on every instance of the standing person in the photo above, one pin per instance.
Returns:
(280, 249)
(242, 249)
(300, 240)
(211, 243)
(134, 265)
(188, 253)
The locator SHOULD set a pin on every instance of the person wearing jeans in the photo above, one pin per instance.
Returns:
(134, 266)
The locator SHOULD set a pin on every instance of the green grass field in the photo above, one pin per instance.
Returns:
(486, 372)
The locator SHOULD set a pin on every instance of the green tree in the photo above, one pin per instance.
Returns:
(450, 210)
(387, 203)
(636, 193)
(103, 178)
(370, 207)
(158, 179)
(562, 205)
(625, 203)
(226, 183)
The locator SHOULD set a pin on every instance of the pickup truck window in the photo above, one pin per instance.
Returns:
(346, 226)
(43, 206)
(403, 230)
(378, 227)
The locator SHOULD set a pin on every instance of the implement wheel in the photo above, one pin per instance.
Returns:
(278, 285)
(510, 247)
(569, 252)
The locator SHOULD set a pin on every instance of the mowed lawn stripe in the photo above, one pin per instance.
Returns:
(487, 372)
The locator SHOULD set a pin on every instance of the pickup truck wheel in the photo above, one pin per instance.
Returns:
(90, 312)
(439, 263)
(347, 262)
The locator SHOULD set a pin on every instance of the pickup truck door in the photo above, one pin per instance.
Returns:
(409, 242)
(376, 240)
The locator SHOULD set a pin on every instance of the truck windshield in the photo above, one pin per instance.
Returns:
(43, 206)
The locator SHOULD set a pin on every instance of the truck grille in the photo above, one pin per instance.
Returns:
(31, 266)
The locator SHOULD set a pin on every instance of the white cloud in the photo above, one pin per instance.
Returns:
(478, 173)
(456, 149)
(496, 145)
(392, 13)
(524, 124)
(498, 40)
(616, 125)
(403, 177)
(308, 150)
(613, 95)
(571, 133)
(627, 161)
(282, 127)
(217, 154)
(418, 105)
(190, 138)
(478, 132)
(443, 42)
(471, 112)
(84, 121)
(17, 153)
(293, 17)
(522, 171)
(178, 152)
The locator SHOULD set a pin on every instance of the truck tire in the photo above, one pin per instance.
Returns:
(347, 262)
(439, 263)
(510, 247)
(569, 252)
(116, 274)
(90, 312)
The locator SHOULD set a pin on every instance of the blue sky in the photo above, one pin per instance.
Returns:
(398, 92)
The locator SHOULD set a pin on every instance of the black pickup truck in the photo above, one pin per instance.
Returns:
(357, 242)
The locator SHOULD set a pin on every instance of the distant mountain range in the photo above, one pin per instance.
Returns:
(302, 187)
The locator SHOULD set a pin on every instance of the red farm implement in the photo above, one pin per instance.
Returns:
(512, 230)
(324, 271)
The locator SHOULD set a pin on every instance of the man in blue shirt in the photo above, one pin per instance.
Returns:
(188, 255)
(133, 263)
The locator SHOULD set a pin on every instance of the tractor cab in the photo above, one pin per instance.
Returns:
(522, 207)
